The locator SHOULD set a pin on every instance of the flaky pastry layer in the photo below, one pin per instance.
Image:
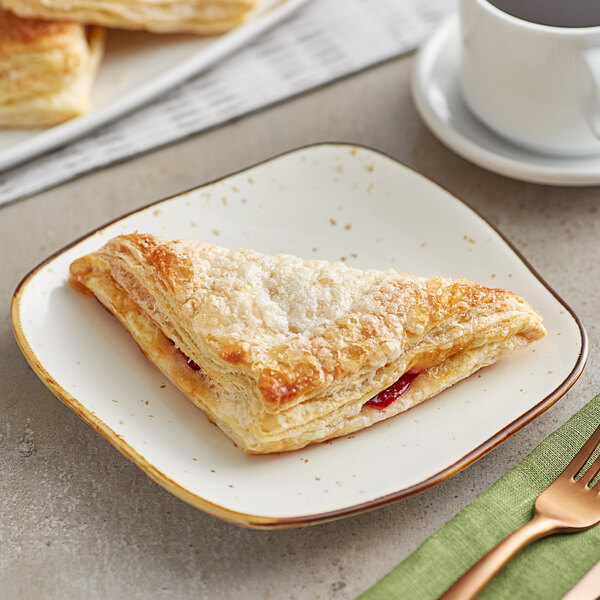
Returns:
(205, 17)
(46, 70)
(290, 351)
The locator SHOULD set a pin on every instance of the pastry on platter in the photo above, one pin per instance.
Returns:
(46, 70)
(205, 17)
(282, 352)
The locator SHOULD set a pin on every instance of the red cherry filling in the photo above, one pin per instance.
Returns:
(190, 363)
(389, 395)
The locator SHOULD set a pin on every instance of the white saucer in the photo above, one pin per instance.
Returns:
(436, 92)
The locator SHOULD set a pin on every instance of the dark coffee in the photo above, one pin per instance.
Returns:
(557, 13)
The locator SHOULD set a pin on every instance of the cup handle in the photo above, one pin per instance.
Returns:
(592, 59)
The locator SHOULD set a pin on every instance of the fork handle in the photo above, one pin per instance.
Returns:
(479, 575)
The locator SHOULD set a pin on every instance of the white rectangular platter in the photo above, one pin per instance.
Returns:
(137, 67)
(334, 202)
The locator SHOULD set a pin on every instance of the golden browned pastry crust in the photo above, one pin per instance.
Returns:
(46, 70)
(205, 17)
(281, 352)
(17, 34)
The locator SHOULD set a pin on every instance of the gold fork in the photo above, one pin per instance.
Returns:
(565, 506)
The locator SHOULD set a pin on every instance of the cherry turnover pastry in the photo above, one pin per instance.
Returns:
(282, 352)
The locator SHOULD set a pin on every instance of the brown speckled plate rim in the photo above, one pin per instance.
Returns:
(265, 522)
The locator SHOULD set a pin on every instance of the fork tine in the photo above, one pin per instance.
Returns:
(591, 472)
(582, 456)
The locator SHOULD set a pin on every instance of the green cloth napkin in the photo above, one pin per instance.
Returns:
(547, 569)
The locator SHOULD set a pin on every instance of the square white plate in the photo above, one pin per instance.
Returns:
(137, 67)
(334, 202)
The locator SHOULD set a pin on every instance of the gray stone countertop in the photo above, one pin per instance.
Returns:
(80, 521)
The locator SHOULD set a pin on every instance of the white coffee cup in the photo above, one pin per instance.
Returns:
(536, 85)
